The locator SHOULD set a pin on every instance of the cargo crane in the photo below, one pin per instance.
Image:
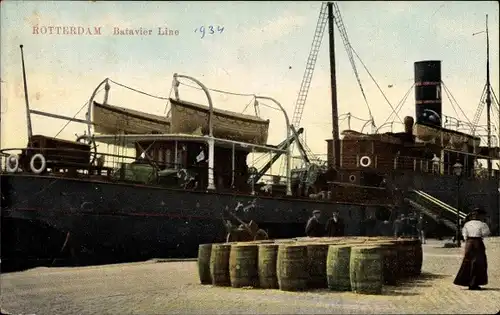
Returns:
(306, 154)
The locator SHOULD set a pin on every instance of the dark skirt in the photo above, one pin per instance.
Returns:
(474, 269)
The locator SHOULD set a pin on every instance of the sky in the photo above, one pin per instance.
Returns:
(262, 50)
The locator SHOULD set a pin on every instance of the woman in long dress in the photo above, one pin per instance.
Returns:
(474, 269)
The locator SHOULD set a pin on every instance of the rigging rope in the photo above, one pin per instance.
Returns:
(497, 108)
(141, 92)
(355, 117)
(215, 90)
(374, 81)
(78, 112)
(251, 101)
(495, 98)
(453, 106)
(446, 88)
(479, 111)
(168, 102)
(269, 106)
(400, 105)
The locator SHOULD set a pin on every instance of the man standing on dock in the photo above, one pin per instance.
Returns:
(421, 228)
(412, 225)
(335, 226)
(399, 226)
(314, 228)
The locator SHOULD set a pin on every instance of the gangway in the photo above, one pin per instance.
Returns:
(434, 208)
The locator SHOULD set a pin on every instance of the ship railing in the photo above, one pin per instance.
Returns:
(384, 163)
(318, 159)
(111, 164)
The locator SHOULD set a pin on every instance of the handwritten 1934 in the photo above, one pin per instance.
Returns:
(210, 30)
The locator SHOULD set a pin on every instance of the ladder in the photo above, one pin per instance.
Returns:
(307, 77)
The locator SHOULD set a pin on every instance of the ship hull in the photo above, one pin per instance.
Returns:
(114, 222)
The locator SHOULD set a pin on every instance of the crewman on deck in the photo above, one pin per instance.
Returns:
(474, 269)
(421, 225)
(412, 225)
(370, 225)
(201, 165)
(335, 226)
(314, 228)
(399, 226)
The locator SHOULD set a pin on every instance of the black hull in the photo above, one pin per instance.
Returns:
(121, 222)
(116, 222)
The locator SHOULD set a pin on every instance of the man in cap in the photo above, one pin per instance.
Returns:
(399, 226)
(335, 226)
(314, 228)
(412, 225)
(421, 225)
(474, 269)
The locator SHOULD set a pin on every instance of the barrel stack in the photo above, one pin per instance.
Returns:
(359, 264)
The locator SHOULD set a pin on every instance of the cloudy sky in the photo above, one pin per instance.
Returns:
(262, 50)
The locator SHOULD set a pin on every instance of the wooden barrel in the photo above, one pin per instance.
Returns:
(316, 256)
(366, 270)
(291, 267)
(219, 264)
(204, 252)
(268, 254)
(243, 265)
(405, 258)
(337, 267)
(416, 256)
(390, 261)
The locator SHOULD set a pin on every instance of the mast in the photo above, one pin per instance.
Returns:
(333, 79)
(488, 95)
(28, 116)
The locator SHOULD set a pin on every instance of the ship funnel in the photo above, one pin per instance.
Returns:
(428, 104)
(409, 125)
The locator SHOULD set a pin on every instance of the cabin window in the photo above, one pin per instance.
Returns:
(168, 157)
(160, 155)
(365, 147)
(181, 153)
(157, 154)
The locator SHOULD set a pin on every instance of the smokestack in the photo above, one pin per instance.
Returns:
(428, 103)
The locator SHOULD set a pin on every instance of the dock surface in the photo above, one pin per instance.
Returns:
(155, 287)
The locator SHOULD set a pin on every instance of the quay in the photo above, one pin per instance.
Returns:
(172, 287)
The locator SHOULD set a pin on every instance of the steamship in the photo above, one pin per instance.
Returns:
(169, 197)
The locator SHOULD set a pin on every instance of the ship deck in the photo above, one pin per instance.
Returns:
(172, 287)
